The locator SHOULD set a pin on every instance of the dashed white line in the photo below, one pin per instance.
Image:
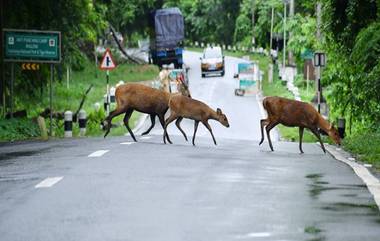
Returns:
(145, 138)
(254, 235)
(48, 182)
(126, 143)
(98, 153)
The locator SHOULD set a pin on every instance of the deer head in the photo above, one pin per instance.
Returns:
(334, 135)
(222, 118)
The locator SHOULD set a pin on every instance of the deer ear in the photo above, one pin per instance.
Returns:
(218, 111)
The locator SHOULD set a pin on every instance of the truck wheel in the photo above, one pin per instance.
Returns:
(203, 75)
(222, 73)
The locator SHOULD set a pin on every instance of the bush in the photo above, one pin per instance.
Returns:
(18, 129)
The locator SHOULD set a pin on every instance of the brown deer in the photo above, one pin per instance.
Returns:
(185, 107)
(130, 97)
(294, 113)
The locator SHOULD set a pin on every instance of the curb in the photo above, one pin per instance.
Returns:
(372, 183)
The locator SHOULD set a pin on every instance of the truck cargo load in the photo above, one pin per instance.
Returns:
(166, 40)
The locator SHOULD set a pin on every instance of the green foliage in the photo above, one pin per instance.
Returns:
(210, 21)
(18, 129)
(131, 16)
(303, 30)
(345, 19)
(366, 145)
(353, 76)
(243, 28)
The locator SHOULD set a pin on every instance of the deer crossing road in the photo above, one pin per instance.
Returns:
(117, 189)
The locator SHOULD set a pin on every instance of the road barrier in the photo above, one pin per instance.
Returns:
(68, 124)
(112, 94)
(105, 102)
(82, 122)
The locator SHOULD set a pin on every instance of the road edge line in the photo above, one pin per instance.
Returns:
(372, 183)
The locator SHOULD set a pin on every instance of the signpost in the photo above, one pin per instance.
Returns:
(35, 46)
(108, 64)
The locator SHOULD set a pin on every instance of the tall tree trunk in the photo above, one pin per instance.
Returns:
(253, 22)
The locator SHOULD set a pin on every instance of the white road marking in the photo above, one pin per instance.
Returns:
(145, 138)
(48, 182)
(254, 235)
(98, 153)
(127, 143)
(361, 171)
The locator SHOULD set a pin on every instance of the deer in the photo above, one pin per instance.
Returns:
(293, 113)
(130, 97)
(185, 107)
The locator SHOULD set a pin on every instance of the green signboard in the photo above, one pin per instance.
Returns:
(32, 46)
(307, 54)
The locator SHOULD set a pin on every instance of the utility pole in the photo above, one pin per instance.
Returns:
(319, 15)
(284, 49)
(253, 22)
(270, 70)
(291, 15)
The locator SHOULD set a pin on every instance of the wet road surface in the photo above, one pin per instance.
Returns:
(115, 189)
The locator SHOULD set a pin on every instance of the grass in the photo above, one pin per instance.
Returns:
(68, 98)
(18, 129)
(366, 146)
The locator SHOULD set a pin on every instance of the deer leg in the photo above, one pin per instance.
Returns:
(126, 123)
(108, 120)
(263, 123)
(205, 123)
(170, 119)
(316, 133)
(177, 123)
(195, 130)
(153, 121)
(301, 135)
(268, 128)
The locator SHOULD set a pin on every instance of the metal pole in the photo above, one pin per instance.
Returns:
(68, 77)
(253, 22)
(319, 20)
(108, 92)
(307, 78)
(291, 15)
(12, 83)
(51, 99)
(283, 59)
(271, 29)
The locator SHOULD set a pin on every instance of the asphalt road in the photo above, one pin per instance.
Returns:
(114, 189)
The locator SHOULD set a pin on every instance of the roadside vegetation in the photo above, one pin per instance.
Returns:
(350, 37)
(67, 96)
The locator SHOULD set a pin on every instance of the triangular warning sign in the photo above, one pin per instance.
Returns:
(107, 61)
